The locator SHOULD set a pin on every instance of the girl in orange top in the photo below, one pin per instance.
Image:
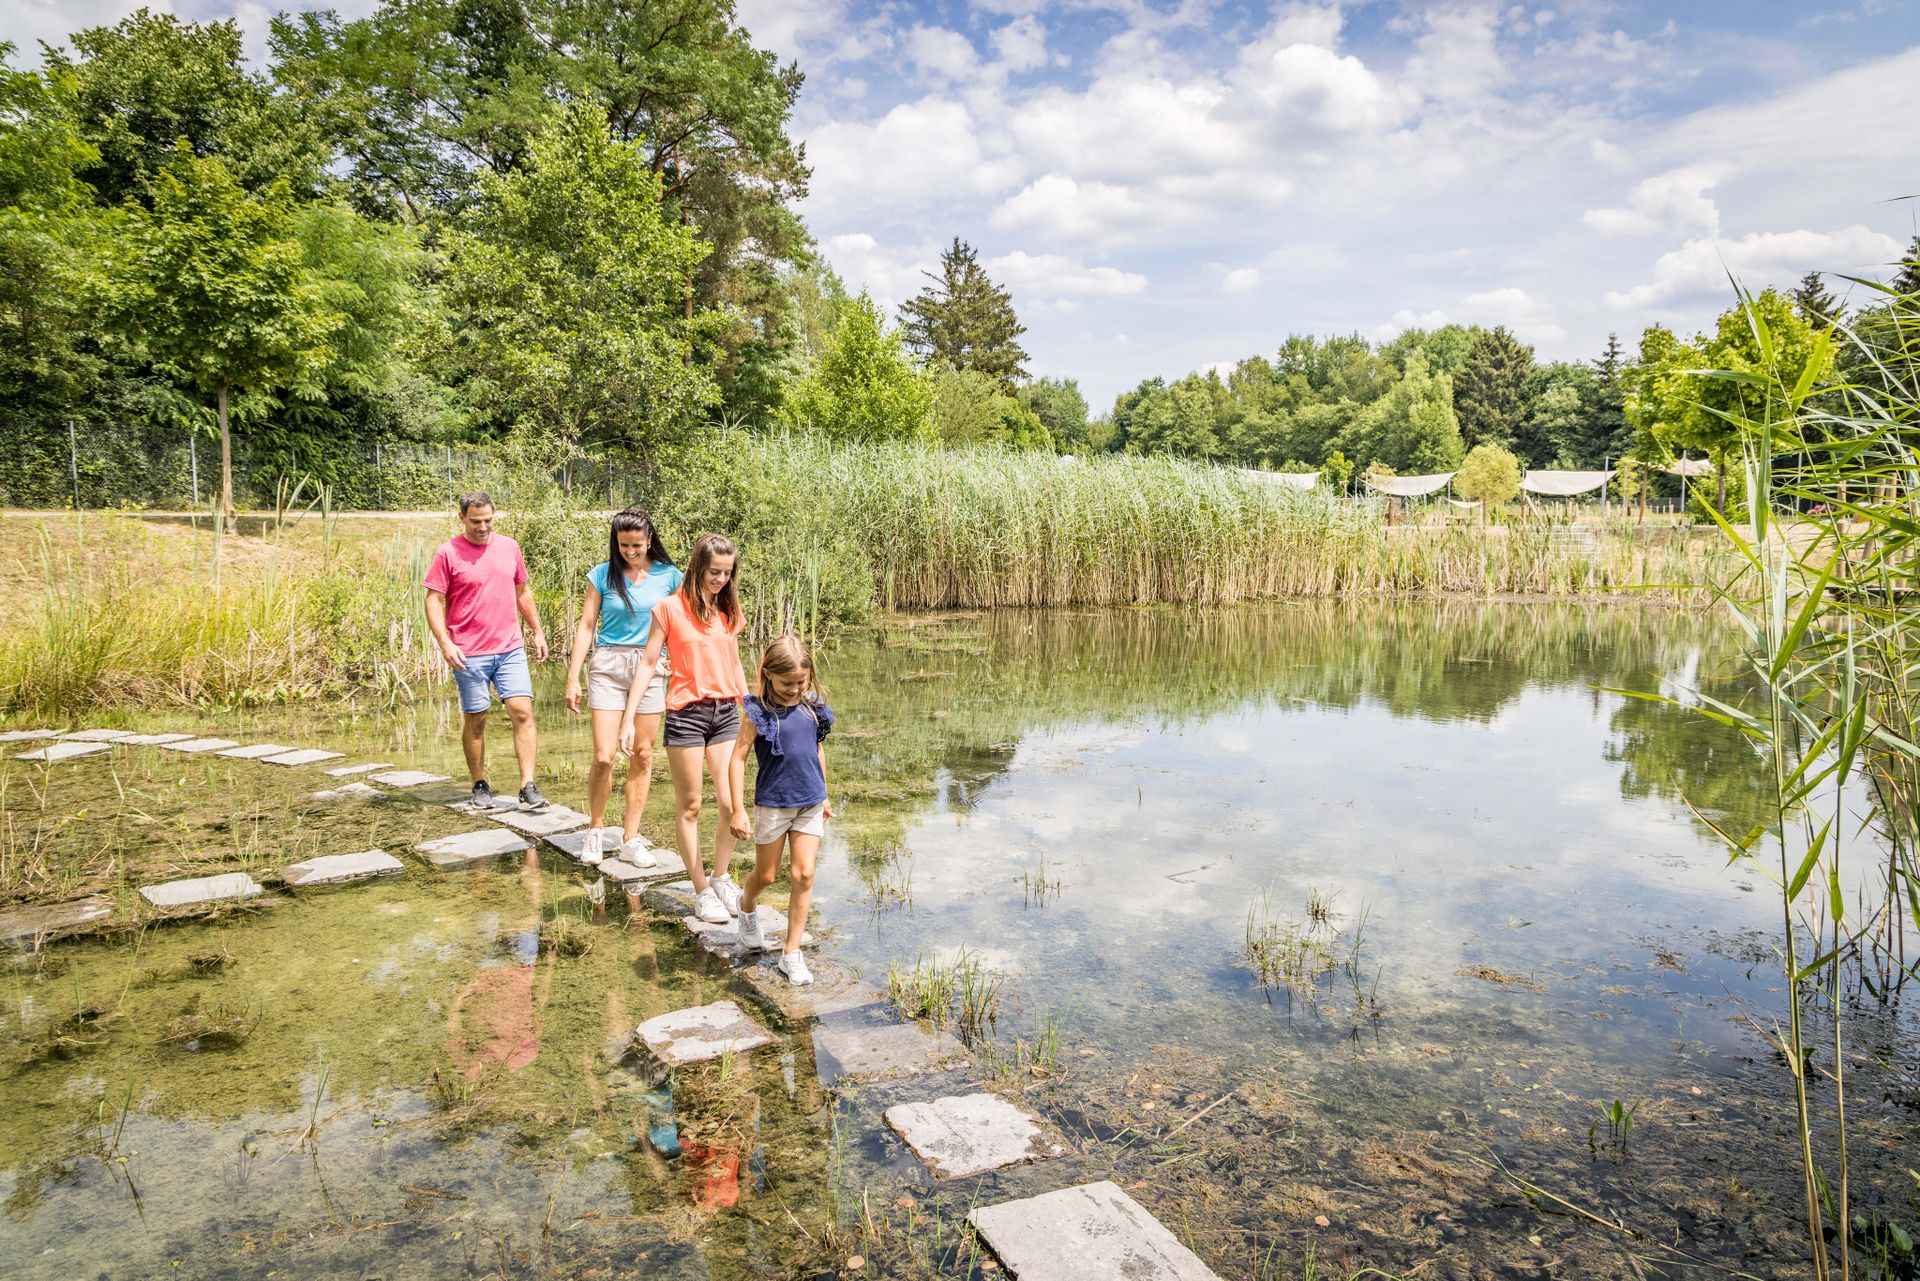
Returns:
(700, 626)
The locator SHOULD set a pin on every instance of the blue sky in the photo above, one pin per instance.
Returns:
(1167, 185)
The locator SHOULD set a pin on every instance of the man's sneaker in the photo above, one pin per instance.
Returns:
(590, 847)
(729, 892)
(751, 935)
(530, 799)
(637, 853)
(709, 908)
(482, 797)
(794, 966)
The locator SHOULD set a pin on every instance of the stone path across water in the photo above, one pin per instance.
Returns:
(63, 751)
(303, 756)
(1094, 1232)
(97, 735)
(349, 792)
(25, 735)
(348, 771)
(701, 1033)
(201, 745)
(201, 890)
(971, 1134)
(336, 869)
(152, 740)
(255, 752)
(469, 848)
(407, 778)
(34, 922)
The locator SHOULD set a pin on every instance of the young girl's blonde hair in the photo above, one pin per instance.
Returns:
(784, 656)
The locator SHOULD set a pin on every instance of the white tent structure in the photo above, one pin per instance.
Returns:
(1690, 467)
(1291, 479)
(1563, 484)
(1410, 486)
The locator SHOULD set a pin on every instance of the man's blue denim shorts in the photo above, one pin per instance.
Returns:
(505, 672)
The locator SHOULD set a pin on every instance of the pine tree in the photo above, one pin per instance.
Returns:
(1610, 435)
(1814, 303)
(1488, 394)
(965, 319)
(1907, 280)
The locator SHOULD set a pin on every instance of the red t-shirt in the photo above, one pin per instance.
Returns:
(481, 582)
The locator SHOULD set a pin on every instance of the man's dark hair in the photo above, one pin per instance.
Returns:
(478, 498)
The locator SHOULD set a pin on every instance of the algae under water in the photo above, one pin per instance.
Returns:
(1526, 927)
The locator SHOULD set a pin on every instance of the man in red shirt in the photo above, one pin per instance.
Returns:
(477, 592)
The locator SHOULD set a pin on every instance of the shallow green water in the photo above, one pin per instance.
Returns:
(1090, 803)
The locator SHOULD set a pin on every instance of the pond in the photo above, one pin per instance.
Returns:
(1510, 979)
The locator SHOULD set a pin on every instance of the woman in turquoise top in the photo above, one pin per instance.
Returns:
(616, 620)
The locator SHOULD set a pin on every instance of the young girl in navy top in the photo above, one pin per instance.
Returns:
(785, 727)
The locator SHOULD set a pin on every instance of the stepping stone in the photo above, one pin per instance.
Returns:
(1090, 1233)
(672, 899)
(63, 751)
(334, 869)
(470, 847)
(408, 778)
(35, 922)
(666, 866)
(22, 735)
(835, 990)
(201, 745)
(570, 843)
(305, 756)
(349, 792)
(98, 735)
(701, 1033)
(201, 889)
(348, 771)
(724, 940)
(971, 1134)
(255, 752)
(863, 1049)
(153, 740)
(554, 818)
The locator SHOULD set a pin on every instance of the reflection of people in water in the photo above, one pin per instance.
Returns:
(496, 1016)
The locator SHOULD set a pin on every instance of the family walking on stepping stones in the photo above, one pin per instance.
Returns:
(665, 647)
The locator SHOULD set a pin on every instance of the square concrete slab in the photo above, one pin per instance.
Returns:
(32, 922)
(63, 751)
(255, 752)
(348, 771)
(835, 989)
(569, 843)
(334, 869)
(408, 778)
(867, 1049)
(201, 889)
(970, 1134)
(554, 818)
(201, 745)
(1094, 1232)
(98, 735)
(153, 740)
(724, 940)
(349, 792)
(666, 866)
(24, 735)
(470, 847)
(305, 756)
(701, 1033)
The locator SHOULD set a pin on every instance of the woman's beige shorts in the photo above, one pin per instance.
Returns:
(610, 675)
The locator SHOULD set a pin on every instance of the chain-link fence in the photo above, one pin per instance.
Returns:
(156, 469)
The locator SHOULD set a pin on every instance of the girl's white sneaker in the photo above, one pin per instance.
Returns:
(708, 907)
(590, 853)
(729, 892)
(637, 852)
(794, 966)
(751, 935)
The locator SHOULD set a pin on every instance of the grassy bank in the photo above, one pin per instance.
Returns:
(104, 610)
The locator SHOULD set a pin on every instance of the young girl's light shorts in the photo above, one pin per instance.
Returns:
(611, 672)
(771, 822)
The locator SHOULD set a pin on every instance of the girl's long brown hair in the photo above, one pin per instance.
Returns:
(727, 600)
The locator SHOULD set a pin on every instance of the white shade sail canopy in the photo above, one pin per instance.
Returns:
(1564, 484)
(1291, 479)
(1410, 486)
(1690, 467)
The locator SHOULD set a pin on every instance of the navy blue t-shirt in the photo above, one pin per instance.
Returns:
(786, 744)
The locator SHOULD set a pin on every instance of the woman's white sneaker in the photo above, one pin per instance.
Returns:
(708, 907)
(794, 966)
(637, 852)
(751, 935)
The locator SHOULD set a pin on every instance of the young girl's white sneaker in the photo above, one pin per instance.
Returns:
(729, 892)
(637, 853)
(794, 966)
(590, 852)
(708, 907)
(751, 935)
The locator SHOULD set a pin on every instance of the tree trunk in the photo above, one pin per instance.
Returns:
(226, 468)
(1720, 490)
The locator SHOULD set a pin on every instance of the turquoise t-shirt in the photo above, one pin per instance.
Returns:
(620, 625)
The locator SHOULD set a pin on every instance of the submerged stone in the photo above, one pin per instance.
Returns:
(672, 899)
(349, 792)
(348, 771)
(63, 751)
(304, 756)
(971, 1134)
(835, 989)
(866, 1048)
(470, 847)
(333, 869)
(701, 1033)
(1093, 1232)
(97, 735)
(255, 752)
(201, 745)
(23, 735)
(153, 740)
(201, 889)
(408, 778)
(33, 922)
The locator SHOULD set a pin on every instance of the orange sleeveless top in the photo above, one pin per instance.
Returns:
(706, 656)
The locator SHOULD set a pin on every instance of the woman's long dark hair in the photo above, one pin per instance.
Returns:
(633, 520)
(693, 587)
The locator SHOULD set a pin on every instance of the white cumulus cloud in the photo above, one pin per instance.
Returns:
(1668, 202)
(1239, 280)
(1053, 275)
(1699, 268)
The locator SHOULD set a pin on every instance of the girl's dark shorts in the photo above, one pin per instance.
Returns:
(701, 724)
